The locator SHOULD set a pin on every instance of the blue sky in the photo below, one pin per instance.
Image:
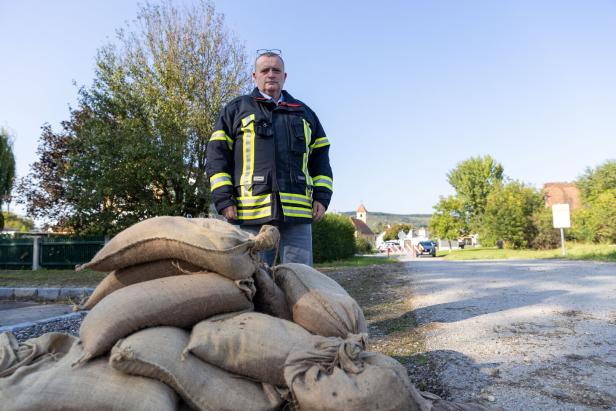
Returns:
(404, 89)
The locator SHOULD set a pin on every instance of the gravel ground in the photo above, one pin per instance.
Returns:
(524, 335)
(64, 325)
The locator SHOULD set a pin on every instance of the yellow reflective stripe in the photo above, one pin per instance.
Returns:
(296, 198)
(308, 138)
(222, 183)
(248, 153)
(219, 180)
(220, 135)
(326, 178)
(296, 211)
(323, 181)
(254, 201)
(254, 214)
(321, 142)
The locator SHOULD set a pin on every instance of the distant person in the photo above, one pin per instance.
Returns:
(268, 162)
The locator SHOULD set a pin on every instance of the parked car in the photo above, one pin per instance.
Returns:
(389, 244)
(425, 247)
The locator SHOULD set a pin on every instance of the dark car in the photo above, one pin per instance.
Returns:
(425, 247)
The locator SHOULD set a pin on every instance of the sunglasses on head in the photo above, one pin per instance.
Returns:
(260, 52)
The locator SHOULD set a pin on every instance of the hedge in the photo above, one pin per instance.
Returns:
(333, 238)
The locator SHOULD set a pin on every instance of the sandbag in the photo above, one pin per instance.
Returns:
(269, 298)
(47, 382)
(318, 303)
(14, 355)
(136, 274)
(178, 301)
(337, 375)
(157, 353)
(251, 344)
(212, 244)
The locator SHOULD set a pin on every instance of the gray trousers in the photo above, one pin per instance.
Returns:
(295, 243)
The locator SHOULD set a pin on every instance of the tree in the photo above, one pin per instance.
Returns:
(474, 179)
(448, 221)
(595, 182)
(17, 223)
(7, 171)
(596, 220)
(392, 232)
(135, 146)
(509, 214)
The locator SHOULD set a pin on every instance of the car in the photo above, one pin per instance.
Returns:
(389, 244)
(425, 247)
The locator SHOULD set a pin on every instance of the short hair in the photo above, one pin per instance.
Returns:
(269, 54)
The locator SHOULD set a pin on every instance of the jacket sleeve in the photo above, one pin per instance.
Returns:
(319, 167)
(219, 165)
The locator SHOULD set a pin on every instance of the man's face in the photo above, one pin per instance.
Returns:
(269, 76)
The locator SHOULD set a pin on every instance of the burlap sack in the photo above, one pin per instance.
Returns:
(178, 301)
(270, 298)
(47, 382)
(136, 274)
(157, 353)
(251, 344)
(212, 244)
(318, 303)
(14, 355)
(338, 375)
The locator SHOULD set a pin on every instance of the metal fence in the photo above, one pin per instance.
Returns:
(47, 252)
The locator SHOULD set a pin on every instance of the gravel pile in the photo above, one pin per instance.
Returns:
(68, 325)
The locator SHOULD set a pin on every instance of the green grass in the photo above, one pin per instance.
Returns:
(574, 251)
(357, 261)
(49, 278)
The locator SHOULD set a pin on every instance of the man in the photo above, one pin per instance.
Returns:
(268, 162)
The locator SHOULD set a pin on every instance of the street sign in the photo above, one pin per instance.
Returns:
(561, 219)
(560, 216)
(401, 235)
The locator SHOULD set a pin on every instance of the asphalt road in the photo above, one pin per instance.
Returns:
(16, 312)
(525, 335)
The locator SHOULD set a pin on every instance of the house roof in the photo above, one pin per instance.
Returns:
(362, 209)
(361, 227)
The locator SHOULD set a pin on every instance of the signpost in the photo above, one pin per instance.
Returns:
(561, 219)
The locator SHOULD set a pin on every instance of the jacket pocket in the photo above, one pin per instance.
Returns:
(298, 135)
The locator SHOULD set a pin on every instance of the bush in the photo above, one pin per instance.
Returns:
(546, 237)
(363, 246)
(596, 221)
(333, 238)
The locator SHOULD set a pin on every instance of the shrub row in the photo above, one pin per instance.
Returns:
(333, 238)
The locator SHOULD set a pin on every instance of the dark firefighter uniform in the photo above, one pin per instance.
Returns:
(269, 160)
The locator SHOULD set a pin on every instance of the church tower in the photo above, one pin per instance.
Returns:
(362, 213)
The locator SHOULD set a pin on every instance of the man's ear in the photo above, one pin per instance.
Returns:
(254, 76)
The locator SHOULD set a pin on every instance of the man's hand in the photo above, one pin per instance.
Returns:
(230, 213)
(318, 210)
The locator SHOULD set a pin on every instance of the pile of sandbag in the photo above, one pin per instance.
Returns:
(188, 318)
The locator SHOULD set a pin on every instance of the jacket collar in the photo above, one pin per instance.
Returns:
(288, 100)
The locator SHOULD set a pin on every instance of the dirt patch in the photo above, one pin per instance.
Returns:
(385, 294)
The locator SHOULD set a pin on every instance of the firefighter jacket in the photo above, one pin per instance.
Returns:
(269, 160)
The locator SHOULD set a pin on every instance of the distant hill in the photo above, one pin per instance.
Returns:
(377, 221)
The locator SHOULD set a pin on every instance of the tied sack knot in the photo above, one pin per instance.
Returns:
(267, 239)
(343, 354)
(348, 357)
